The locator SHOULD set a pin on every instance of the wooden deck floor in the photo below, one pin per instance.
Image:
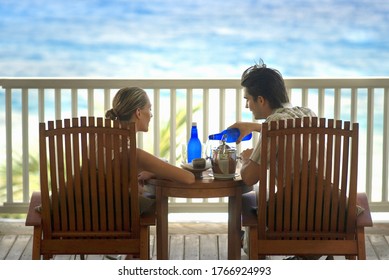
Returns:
(188, 241)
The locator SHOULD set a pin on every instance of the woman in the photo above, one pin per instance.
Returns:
(133, 105)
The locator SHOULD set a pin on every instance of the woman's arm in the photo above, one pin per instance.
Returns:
(162, 169)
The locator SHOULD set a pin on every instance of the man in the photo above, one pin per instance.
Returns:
(267, 98)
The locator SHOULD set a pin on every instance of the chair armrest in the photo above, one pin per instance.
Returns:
(33, 216)
(364, 219)
(249, 209)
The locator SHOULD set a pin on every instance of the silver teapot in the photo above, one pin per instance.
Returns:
(224, 161)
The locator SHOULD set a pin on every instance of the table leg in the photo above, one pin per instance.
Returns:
(162, 225)
(234, 226)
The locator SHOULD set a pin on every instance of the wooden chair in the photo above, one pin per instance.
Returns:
(88, 203)
(307, 199)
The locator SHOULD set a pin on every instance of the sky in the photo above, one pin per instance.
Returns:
(193, 38)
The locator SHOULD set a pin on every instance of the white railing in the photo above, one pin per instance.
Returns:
(213, 104)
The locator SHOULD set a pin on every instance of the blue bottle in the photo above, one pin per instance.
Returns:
(194, 145)
(230, 135)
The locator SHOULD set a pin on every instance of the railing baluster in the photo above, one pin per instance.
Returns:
(25, 146)
(8, 140)
(91, 103)
(304, 97)
(369, 141)
(337, 99)
(321, 105)
(107, 100)
(41, 105)
(156, 112)
(189, 109)
(74, 102)
(238, 116)
(206, 117)
(385, 149)
(222, 113)
(173, 124)
(58, 107)
(354, 105)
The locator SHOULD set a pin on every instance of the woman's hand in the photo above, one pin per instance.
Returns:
(142, 177)
(141, 189)
(145, 175)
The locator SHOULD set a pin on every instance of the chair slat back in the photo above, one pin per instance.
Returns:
(88, 171)
(308, 179)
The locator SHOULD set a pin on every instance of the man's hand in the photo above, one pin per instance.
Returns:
(250, 169)
(245, 155)
(245, 128)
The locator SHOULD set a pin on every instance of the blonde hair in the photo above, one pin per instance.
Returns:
(126, 101)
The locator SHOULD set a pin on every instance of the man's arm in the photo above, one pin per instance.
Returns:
(250, 169)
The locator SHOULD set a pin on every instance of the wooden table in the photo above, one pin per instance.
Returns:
(205, 187)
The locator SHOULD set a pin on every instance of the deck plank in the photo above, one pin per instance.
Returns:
(222, 246)
(208, 247)
(27, 254)
(176, 248)
(370, 252)
(192, 247)
(380, 244)
(6, 242)
(18, 247)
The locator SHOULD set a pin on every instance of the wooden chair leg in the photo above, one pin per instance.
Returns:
(361, 243)
(253, 243)
(36, 243)
(144, 243)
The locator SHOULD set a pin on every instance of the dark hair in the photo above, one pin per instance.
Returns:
(266, 82)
